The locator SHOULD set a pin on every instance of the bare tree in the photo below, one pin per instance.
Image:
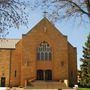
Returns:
(12, 14)
(61, 9)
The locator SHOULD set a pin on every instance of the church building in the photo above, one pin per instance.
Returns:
(43, 54)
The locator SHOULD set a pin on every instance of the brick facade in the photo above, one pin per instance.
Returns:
(4, 64)
(23, 64)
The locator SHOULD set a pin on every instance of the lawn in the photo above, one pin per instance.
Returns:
(83, 88)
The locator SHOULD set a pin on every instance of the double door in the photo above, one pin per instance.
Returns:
(44, 75)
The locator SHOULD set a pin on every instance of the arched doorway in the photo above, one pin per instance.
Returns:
(3, 79)
(48, 75)
(40, 75)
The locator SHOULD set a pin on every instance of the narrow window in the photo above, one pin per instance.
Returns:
(15, 73)
(46, 56)
(50, 57)
(42, 56)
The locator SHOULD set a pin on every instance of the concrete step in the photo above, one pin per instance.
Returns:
(47, 85)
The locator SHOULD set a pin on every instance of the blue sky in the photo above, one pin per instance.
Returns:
(77, 34)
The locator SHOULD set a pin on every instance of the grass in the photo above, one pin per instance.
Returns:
(83, 88)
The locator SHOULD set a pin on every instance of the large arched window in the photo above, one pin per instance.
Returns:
(44, 51)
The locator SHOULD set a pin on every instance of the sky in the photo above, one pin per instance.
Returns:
(77, 34)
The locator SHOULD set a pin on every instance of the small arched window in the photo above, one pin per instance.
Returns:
(44, 51)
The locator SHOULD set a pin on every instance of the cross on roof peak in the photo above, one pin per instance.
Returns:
(45, 13)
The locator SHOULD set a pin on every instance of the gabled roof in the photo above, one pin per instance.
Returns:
(8, 43)
(43, 21)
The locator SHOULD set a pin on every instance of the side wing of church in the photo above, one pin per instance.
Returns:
(43, 54)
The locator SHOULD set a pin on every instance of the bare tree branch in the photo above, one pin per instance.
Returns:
(12, 14)
(80, 9)
(62, 9)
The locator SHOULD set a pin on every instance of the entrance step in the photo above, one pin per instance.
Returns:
(47, 85)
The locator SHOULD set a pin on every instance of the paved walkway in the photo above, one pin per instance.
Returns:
(14, 88)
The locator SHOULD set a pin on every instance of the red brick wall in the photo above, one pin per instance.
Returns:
(72, 65)
(4, 64)
(59, 46)
(26, 52)
(16, 65)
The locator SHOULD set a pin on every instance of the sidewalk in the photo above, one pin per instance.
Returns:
(14, 88)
